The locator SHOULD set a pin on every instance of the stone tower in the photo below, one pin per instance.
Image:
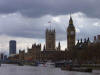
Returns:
(59, 47)
(50, 39)
(71, 33)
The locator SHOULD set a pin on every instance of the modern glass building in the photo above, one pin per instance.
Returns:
(12, 47)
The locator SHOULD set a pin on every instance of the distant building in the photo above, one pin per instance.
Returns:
(71, 35)
(50, 39)
(32, 54)
(82, 44)
(5, 57)
(2, 56)
(97, 39)
(12, 47)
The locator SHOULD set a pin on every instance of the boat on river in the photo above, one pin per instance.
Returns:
(47, 64)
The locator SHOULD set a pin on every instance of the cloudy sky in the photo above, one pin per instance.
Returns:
(26, 20)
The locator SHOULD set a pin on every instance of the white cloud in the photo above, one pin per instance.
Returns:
(77, 30)
(56, 19)
(96, 24)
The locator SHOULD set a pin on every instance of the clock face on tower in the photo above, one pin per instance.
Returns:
(72, 32)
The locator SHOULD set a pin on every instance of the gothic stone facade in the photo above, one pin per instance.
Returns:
(50, 39)
(71, 34)
(33, 54)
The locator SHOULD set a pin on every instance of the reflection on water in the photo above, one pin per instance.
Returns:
(6, 69)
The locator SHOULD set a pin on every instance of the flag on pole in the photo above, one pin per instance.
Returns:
(49, 23)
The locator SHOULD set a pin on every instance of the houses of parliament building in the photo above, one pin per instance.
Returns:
(50, 51)
(53, 53)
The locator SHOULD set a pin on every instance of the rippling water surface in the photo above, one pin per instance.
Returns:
(6, 69)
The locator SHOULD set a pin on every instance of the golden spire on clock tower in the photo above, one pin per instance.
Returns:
(70, 21)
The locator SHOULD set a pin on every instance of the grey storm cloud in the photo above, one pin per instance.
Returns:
(29, 18)
(38, 8)
(17, 25)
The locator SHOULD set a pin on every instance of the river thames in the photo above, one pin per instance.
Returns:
(10, 69)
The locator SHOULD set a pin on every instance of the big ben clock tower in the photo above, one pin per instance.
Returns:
(71, 33)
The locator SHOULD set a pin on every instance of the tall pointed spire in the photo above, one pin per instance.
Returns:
(70, 21)
(44, 48)
(59, 47)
